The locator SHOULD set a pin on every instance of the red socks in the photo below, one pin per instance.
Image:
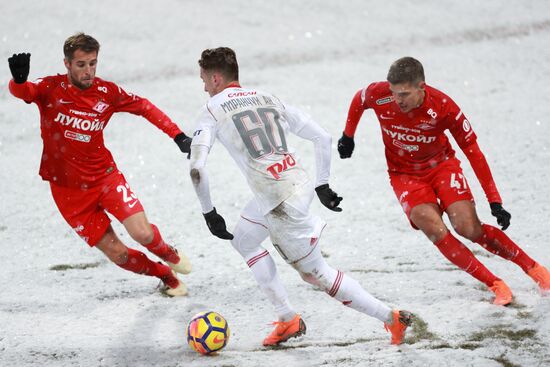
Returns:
(139, 263)
(496, 241)
(158, 247)
(462, 257)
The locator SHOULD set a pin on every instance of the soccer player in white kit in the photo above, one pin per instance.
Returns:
(253, 126)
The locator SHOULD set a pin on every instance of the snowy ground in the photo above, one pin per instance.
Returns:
(490, 56)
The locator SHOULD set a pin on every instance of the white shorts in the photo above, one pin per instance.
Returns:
(293, 230)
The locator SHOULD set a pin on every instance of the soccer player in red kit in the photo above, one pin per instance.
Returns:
(84, 179)
(426, 176)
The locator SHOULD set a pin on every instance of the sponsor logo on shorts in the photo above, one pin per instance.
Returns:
(78, 137)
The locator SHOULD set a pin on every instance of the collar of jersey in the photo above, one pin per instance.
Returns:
(233, 85)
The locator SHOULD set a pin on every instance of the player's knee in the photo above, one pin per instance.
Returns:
(434, 230)
(121, 257)
(317, 272)
(142, 235)
(247, 239)
(265, 278)
(468, 229)
(117, 254)
(239, 243)
(309, 278)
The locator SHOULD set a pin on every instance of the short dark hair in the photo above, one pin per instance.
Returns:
(406, 69)
(79, 41)
(222, 59)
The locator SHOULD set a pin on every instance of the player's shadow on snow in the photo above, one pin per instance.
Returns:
(156, 335)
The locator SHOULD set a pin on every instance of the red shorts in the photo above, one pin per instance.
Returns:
(444, 185)
(84, 209)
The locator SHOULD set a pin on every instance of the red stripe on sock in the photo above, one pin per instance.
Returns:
(256, 258)
(336, 285)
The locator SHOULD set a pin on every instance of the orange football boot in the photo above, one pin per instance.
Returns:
(401, 320)
(503, 294)
(285, 330)
(541, 276)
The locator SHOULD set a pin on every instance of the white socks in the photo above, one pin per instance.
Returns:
(247, 239)
(345, 289)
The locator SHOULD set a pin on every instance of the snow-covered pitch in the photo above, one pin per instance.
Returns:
(63, 304)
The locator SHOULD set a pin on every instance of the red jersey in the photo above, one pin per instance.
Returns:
(72, 122)
(415, 141)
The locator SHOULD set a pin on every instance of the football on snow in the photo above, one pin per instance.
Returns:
(207, 332)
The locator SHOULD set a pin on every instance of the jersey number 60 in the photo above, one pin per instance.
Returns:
(257, 129)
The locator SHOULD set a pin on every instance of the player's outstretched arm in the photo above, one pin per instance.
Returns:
(346, 144)
(483, 173)
(19, 68)
(199, 178)
(303, 125)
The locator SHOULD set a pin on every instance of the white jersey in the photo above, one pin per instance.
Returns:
(253, 126)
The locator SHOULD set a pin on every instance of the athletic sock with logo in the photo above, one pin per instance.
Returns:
(497, 242)
(462, 257)
(139, 263)
(160, 248)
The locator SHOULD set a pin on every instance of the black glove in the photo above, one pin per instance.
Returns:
(345, 146)
(503, 217)
(329, 198)
(216, 225)
(20, 65)
(184, 143)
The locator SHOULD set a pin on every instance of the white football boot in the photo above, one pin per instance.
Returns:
(170, 288)
(184, 265)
